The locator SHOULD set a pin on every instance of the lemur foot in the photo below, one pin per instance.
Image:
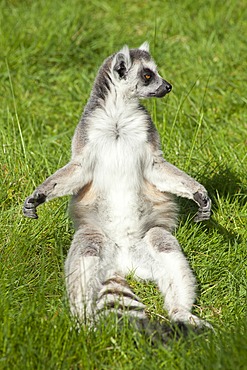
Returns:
(31, 203)
(197, 323)
(191, 320)
(204, 203)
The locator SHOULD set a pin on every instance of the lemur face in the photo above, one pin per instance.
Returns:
(136, 74)
(150, 83)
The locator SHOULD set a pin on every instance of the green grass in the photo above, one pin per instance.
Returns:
(50, 52)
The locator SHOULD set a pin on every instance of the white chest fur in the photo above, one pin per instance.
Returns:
(118, 137)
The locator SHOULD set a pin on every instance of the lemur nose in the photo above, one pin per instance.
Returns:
(163, 89)
(167, 86)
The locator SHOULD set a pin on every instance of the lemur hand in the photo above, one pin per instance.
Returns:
(204, 202)
(31, 203)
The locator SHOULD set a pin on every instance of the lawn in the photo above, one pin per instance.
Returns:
(49, 55)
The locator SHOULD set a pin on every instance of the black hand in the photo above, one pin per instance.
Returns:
(204, 203)
(31, 203)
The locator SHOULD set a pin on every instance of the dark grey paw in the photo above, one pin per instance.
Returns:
(204, 203)
(31, 203)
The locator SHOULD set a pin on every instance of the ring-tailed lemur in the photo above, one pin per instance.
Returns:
(123, 197)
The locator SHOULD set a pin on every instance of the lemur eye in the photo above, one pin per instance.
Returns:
(147, 75)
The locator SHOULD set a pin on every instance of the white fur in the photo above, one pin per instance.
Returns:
(145, 47)
(123, 206)
(117, 176)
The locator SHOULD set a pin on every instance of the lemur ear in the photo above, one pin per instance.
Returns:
(122, 62)
(145, 47)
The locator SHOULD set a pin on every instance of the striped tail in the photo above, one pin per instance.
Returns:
(117, 297)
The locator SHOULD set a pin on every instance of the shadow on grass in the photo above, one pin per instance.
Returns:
(227, 186)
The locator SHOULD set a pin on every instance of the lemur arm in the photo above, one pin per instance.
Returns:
(168, 178)
(65, 181)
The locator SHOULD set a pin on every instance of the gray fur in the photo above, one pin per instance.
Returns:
(123, 197)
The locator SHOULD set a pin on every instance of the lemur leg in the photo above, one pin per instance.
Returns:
(173, 276)
(82, 271)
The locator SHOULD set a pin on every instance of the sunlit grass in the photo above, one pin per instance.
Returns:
(50, 52)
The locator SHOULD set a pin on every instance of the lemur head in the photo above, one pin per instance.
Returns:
(135, 73)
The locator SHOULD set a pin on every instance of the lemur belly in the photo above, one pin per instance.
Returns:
(120, 217)
(119, 183)
(122, 213)
(119, 200)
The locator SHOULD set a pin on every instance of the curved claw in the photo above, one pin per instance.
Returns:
(31, 203)
(204, 203)
(29, 208)
(31, 213)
